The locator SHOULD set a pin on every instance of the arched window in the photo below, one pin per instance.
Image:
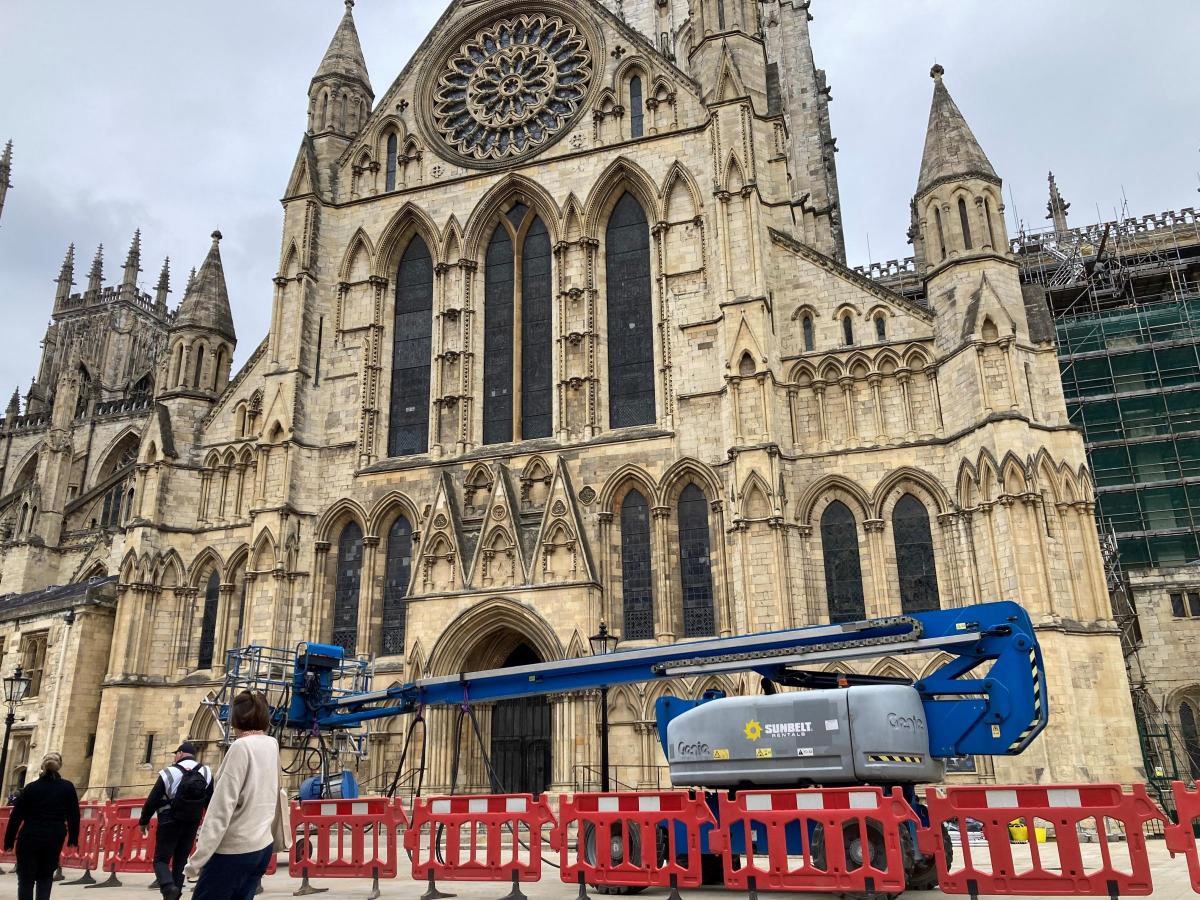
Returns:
(345, 592)
(843, 568)
(397, 569)
(987, 214)
(1191, 738)
(199, 366)
(695, 564)
(630, 316)
(208, 622)
(390, 182)
(809, 339)
(847, 330)
(937, 214)
(966, 223)
(408, 422)
(636, 575)
(881, 327)
(914, 556)
(517, 293)
(637, 110)
(324, 112)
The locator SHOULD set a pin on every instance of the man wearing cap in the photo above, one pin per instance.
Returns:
(179, 797)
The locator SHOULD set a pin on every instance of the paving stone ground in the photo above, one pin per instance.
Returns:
(1170, 883)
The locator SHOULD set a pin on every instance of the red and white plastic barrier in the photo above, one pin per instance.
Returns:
(849, 840)
(126, 849)
(345, 839)
(494, 837)
(9, 857)
(644, 839)
(93, 819)
(1054, 870)
(1181, 838)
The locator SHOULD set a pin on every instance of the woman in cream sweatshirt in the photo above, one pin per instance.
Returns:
(236, 842)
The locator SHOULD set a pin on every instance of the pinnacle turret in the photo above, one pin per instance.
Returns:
(164, 284)
(206, 304)
(340, 94)
(96, 275)
(1057, 208)
(344, 58)
(951, 149)
(14, 405)
(66, 275)
(133, 262)
(5, 174)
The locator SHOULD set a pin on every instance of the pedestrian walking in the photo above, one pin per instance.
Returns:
(247, 817)
(179, 797)
(46, 813)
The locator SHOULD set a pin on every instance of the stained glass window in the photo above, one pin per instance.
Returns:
(937, 214)
(408, 424)
(914, 556)
(537, 342)
(637, 111)
(881, 328)
(498, 339)
(391, 162)
(630, 316)
(636, 574)
(397, 568)
(345, 594)
(809, 340)
(208, 622)
(847, 330)
(843, 568)
(695, 564)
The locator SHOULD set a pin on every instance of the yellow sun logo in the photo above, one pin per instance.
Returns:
(753, 730)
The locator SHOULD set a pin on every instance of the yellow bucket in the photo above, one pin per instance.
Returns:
(1019, 834)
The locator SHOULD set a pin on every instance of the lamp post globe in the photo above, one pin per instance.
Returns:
(16, 686)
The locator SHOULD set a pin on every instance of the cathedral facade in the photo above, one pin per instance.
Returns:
(562, 334)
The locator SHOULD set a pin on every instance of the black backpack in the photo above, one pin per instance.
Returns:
(191, 796)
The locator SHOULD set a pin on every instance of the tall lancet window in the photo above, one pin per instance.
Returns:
(630, 316)
(408, 423)
(695, 564)
(517, 292)
(397, 569)
(966, 224)
(208, 621)
(914, 556)
(637, 109)
(636, 576)
(390, 184)
(346, 585)
(843, 566)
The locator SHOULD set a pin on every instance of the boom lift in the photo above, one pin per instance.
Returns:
(987, 698)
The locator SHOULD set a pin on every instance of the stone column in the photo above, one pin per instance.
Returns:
(878, 605)
(847, 386)
(368, 602)
(664, 600)
(874, 380)
(726, 616)
(910, 431)
(819, 391)
(320, 612)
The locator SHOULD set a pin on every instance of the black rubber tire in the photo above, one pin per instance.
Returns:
(587, 836)
(851, 839)
(924, 874)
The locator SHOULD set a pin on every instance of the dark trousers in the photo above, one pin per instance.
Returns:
(232, 876)
(172, 847)
(36, 864)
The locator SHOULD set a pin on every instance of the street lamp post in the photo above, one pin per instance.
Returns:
(603, 643)
(16, 686)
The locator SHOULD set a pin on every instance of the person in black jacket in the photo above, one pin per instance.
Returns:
(46, 812)
(179, 797)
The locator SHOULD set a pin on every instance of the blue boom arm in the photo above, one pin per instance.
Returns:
(988, 699)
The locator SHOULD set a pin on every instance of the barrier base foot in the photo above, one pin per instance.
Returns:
(374, 895)
(583, 894)
(752, 888)
(674, 895)
(973, 888)
(1112, 891)
(305, 888)
(86, 879)
(432, 892)
(110, 881)
(870, 886)
(58, 875)
(516, 893)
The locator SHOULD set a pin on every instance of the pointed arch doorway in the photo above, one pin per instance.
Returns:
(520, 737)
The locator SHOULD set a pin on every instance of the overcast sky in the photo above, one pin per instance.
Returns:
(179, 118)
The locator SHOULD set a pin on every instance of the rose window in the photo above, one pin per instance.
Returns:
(512, 88)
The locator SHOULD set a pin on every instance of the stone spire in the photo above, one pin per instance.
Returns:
(1057, 207)
(5, 174)
(133, 262)
(191, 280)
(66, 276)
(164, 284)
(205, 306)
(96, 275)
(14, 405)
(344, 58)
(951, 150)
